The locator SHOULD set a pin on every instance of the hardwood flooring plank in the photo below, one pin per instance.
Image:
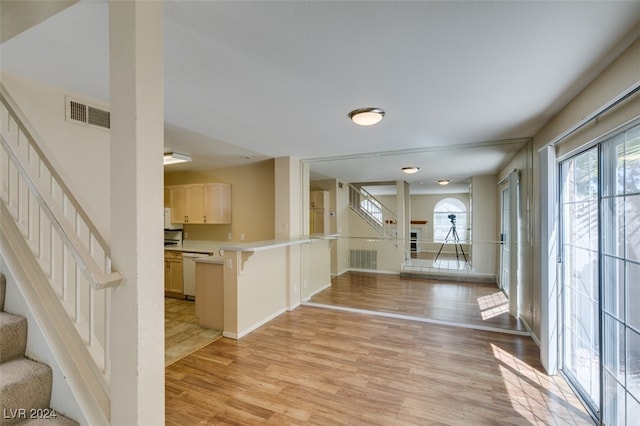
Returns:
(457, 302)
(320, 366)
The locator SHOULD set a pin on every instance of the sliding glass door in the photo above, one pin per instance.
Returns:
(600, 241)
(621, 278)
(581, 329)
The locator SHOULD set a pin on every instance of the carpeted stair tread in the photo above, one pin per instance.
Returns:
(13, 335)
(24, 384)
(58, 420)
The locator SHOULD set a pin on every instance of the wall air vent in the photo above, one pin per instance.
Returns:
(80, 112)
(363, 259)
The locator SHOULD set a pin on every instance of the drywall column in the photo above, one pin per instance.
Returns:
(403, 213)
(485, 224)
(288, 218)
(548, 260)
(137, 305)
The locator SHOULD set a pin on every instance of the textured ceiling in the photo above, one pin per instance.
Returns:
(246, 81)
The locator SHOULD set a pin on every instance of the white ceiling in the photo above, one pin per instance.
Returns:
(256, 80)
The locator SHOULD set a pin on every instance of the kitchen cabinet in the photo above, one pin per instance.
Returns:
(209, 295)
(319, 199)
(167, 197)
(178, 196)
(217, 203)
(173, 284)
(201, 203)
(318, 212)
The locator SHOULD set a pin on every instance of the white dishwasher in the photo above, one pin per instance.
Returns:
(189, 273)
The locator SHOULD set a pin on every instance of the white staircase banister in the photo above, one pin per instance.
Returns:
(44, 155)
(86, 262)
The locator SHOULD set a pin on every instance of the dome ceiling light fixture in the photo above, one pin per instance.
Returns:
(410, 169)
(366, 116)
(443, 182)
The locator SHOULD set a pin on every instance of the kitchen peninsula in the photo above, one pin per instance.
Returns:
(260, 280)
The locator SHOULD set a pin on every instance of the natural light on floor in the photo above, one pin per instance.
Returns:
(493, 305)
(532, 391)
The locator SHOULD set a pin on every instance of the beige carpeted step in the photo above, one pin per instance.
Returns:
(13, 335)
(24, 384)
(58, 420)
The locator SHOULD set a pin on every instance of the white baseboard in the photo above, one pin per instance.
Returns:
(326, 286)
(241, 334)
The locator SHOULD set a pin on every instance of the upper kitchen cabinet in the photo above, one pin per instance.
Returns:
(201, 203)
(178, 203)
(217, 203)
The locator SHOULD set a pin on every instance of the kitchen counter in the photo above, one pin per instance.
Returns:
(209, 259)
(271, 244)
(196, 246)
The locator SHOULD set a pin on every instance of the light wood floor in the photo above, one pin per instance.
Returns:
(182, 335)
(478, 305)
(315, 366)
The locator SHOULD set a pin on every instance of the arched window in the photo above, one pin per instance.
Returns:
(443, 220)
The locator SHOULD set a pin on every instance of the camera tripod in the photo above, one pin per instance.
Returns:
(456, 242)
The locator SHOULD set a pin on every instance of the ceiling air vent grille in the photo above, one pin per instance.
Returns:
(80, 113)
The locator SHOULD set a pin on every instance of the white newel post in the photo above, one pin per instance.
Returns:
(137, 305)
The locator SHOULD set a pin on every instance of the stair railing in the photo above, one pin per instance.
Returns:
(73, 255)
(372, 211)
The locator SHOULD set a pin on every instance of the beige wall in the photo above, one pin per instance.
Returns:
(484, 224)
(250, 300)
(316, 260)
(620, 75)
(80, 154)
(252, 201)
(522, 163)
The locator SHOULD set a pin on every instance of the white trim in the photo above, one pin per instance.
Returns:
(315, 292)
(534, 337)
(253, 327)
(419, 319)
(549, 282)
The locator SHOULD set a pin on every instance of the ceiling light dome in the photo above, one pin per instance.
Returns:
(366, 116)
(410, 169)
(443, 182)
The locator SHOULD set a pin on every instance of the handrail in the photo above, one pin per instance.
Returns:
(387, 215)
(31, 135)
(51, 239)
(86, 262)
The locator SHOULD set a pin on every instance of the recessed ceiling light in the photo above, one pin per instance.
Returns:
(366, 116)
(410, 169)
(443, 182)
(175, 157)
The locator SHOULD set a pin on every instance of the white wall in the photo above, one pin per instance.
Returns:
(80, 154)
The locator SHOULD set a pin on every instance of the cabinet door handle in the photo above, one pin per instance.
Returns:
(205, 219)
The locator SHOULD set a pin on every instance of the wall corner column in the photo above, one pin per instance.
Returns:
(549, 283)
(137, 144)
(288, 218)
